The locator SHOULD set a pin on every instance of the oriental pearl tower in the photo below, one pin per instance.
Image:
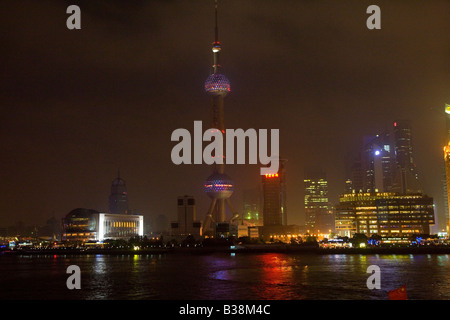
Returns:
(218, 186)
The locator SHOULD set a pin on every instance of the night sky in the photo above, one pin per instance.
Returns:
(76, 105)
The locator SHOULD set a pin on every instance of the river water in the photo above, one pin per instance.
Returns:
(267, 276)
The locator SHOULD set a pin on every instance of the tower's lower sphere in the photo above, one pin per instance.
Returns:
(219, 186)
(217, 84)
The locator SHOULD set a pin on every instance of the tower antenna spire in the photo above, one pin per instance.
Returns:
(216, 44)
(216, 4)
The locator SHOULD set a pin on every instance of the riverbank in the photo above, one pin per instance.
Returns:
(317, 250)
(270, 248)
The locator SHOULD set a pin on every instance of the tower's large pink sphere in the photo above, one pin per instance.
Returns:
(217, 84)
(219, 186)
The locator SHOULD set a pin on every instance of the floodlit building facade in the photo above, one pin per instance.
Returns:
(386, 214)
(82, 225)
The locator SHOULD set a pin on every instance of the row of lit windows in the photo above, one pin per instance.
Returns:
(371, 231)
(364, 230)
(320, 181)
(364, 225)
(366, 208)
(120, 233)
(81, 234)
(121, 224)
(402, 212)
(408, 207)
(408, 221)
(392, 197)
(310, 198)
(401, 215)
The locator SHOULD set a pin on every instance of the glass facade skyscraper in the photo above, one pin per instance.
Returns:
(406, 172)
(384, 163)
(319, 216)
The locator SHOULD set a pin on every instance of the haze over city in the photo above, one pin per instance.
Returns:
(79, 105)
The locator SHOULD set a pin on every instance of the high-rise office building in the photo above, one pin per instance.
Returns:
(373, 168)
(187, 223)
(274, 206)
(274, 197)
(118, 199)
(319, 215)
(354, 181)
(406, 171)
(385, 163)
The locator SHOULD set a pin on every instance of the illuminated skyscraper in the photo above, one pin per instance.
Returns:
(218, 186)
(118, 199)
(374, 167)
(385, 163)
(274, 197)
(318, 213)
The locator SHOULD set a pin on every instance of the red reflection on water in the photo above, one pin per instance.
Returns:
(276, 276)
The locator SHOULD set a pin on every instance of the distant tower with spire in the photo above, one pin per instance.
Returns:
(218, 186)
(118, 199)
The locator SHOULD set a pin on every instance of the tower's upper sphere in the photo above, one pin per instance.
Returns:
(216, 47)
(219, 186)
(217, 84)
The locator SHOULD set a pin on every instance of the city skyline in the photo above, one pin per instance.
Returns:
(111, 93)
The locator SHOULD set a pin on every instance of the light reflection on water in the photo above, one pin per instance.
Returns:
(221, 276)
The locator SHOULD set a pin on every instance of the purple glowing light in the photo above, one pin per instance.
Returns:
(217, 84)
